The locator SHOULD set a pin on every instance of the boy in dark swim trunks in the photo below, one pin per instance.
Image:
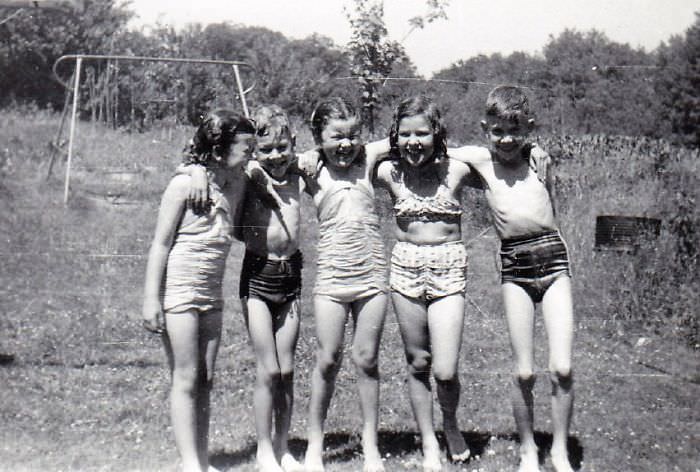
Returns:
(534, 260)
(270, 284)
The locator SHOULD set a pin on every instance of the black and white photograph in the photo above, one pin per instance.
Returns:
(349, 235)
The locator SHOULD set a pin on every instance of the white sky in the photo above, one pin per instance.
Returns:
(473, 26)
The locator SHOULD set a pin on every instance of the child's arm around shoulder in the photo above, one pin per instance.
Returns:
(258, 181)
(377, 151)
(472, 155)
(172, 205)
(198, 191)
(541, 163)
(385, 174)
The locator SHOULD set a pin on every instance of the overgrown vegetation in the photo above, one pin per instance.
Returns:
(583, 82)
(88, 390)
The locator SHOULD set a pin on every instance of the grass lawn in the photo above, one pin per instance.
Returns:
(88, 388)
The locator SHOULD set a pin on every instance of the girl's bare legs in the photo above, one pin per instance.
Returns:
(412, 316)
(209, 340)
(188, 366)
(369, 316)
(330, 318)
(286, 336)
(445, 325)
(520, 315)
(261, 330)
(558, 313)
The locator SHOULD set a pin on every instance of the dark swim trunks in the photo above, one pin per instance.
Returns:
(534, 262)
(274, 281)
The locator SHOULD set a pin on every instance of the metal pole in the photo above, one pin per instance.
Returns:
(241, 93)
(76, 93)
(55, 146)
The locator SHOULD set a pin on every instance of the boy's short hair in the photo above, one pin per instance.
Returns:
(271, 119)
(216, 132)
(508, 102)
(419, 105)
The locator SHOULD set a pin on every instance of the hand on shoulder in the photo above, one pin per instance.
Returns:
(310, 162)
(472, 155)
(539, 161)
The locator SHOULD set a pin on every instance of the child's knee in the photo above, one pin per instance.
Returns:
(561, 377)
(269, 376)
(365, 360)
(419, 362)
(444, 374)
(185, 380)
(524, 379)
(328, 363)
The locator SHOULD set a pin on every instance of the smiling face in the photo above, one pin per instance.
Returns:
(507, 137)
(275, 152)
(416, 141)
(341, 141)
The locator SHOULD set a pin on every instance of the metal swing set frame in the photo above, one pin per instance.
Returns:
(75, 87)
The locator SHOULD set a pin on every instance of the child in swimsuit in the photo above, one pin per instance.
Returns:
(351, 272)
(182, 296)
(270, 282)
(534, 261)
(351, 267)
(428, 266)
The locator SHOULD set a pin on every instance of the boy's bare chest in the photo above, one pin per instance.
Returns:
(517, 186)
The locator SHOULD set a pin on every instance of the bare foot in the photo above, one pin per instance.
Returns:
(529, 462)
(373, 459)
(561, 463)
(290, 464)
(431, 457)
(267, 463)
(373, 465)
(313, 460)
(457, 449)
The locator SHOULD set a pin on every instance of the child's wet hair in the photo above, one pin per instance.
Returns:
(419, 105)
(508, 102)
(335, 108)
(216, 132)
(271, 119)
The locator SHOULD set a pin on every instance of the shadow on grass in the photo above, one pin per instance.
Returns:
(345, 447)
(225, 460)
(544, 443)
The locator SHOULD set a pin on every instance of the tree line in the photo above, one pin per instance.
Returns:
(581, 82)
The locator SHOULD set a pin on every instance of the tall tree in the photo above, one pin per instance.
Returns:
(29, 45)
(372, 53)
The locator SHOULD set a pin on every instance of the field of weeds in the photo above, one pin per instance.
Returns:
(87, 390)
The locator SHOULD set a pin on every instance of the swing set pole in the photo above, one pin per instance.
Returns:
(76, 94)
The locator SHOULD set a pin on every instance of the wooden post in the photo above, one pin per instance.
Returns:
(76, 94)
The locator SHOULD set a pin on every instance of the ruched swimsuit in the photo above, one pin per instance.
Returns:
(196, 262)
(351, 260)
